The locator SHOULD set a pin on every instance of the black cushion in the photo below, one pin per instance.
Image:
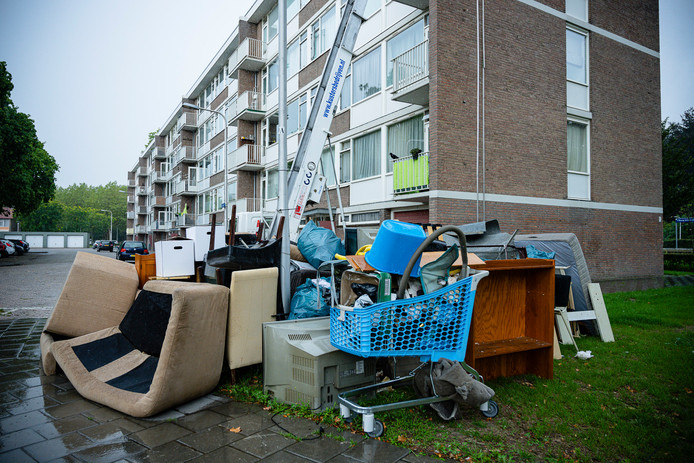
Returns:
(103, 351)
(145, 323)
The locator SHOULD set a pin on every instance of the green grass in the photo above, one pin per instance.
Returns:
(633, 401)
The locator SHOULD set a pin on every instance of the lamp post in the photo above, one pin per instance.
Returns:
(226, 172)
(110, 231)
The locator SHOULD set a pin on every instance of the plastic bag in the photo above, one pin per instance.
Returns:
(534, 253)
(319, 244)
(304, 303)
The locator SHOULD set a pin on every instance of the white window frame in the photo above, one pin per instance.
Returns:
(573, 175)
(575, 85)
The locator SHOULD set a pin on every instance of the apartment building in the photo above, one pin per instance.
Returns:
(542, 114)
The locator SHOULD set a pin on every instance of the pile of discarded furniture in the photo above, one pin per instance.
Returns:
(455, 305)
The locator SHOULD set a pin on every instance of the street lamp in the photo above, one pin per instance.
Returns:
(226, 172)
(110, 231)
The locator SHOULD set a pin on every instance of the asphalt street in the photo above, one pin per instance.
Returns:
(30, 284)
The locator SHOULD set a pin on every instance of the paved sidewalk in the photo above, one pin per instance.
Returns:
(43, 418)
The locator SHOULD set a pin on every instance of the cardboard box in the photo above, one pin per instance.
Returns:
(201, 236)
(175, 258)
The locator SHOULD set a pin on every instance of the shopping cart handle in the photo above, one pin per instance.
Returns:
(410, 265)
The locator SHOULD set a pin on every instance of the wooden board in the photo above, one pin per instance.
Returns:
(428, 257)
(601, 318)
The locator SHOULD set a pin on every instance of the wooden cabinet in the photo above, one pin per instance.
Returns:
(512, 330)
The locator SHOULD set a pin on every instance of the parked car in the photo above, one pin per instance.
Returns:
(2, 249)
(21, 244)
(9, 248)
(106, 245)
(128, 249)
(96, 244)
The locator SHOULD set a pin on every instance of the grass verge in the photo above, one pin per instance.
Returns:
(634, 401)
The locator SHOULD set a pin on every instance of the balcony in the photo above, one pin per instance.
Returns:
(411, 175)
(140, 229)
(183, 154)
(250, 106)
(132, 183)
(188, 121)
(142, 171)
(161, 176)
(131, 199)
(184, 221)
(157, 201)
(247, 205)
(158, 152)
(142, 191)
(142, 210)
(130, 215)
(421, 4)
(249, 56)
(246, 157)
(411, 75)
(187, 187)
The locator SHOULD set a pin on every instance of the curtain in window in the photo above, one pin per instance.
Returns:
(328, 28)
(366, 76)
(399, 44)
(345, 163)
(328, 167)
(577, 137)
(366, 156)
(403, 137)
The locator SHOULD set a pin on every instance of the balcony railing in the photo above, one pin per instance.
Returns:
(187, 187)
(130, 215)
(142, 210)
(141, 229)
(248, 56)
(411, 75)
(158, 152)
(184, 153)
(248, 205)
(185, 220)
(158, 201)
(142, 190)
(162, 175)
(142, 171)
(250, 106)
(411, 175)
(187, 121)
(246, 157)
(131, 199)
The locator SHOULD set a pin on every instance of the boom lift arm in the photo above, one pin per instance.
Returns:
(304, 171)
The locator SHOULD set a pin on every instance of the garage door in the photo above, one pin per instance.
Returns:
(75, 241)
(56, 241)
(35, 241)
(12, 237)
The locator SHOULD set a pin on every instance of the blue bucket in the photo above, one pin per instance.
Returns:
(394, 246)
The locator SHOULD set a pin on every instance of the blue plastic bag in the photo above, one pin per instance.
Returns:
(319, 244)
(534, 253)
(305, 303)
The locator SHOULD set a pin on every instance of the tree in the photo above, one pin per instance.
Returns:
(678, 166)
(28, 178)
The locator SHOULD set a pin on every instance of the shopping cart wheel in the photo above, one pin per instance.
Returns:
(378, 429)
(492, 409)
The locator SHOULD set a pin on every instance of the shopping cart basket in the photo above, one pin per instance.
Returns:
(433, 326)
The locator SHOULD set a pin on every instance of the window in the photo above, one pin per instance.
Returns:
(366, 76)
(270, 26)
(293, 7)
(271, 77)
(371, 7)
(303, 49)
(399, 44)
(578, 164)
(328, 166)
(323, 33)
(293, 58)
(366, 158)
(303, 114)
(345, 155)
(366, 217)
(403, 137)
(292, 117)
(577, 68)
(273, 183)
(346, 95)
(578, 9)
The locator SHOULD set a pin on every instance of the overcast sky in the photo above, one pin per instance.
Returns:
(98, 76)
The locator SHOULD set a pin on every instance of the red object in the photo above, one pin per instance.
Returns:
(122, 250)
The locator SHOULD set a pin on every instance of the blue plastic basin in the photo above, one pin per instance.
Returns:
(394, 246)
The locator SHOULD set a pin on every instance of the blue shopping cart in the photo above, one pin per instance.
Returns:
(432, 326)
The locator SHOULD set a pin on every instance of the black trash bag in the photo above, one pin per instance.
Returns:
(365, 288)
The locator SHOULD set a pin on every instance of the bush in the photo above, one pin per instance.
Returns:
(679, 261)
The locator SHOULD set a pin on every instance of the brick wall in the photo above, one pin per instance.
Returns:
(309, 10)
(633, 19)
(312, 71)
